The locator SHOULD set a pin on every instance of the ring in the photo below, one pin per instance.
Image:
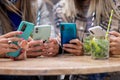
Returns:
(9, 41)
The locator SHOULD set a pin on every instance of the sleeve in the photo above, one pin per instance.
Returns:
(43, 13)
(58, 16)
(43, 17)
(115, 26)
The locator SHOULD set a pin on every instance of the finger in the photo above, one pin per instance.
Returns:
(22, 56)
(13, 46)
(47, 54)
(50, 54)
(12, 34)
(115, 53)
(6, 50)
(10, 50)
(4, 45)
(34, 43)
(115, 39)
(33, 54)
(15, 39)
(37, 48)
(112, 49)
(51, 45)
(72, 46)
(30, 39)
(114, 33)
(54, 41)
(75, 52)
(70, 50)
(4, 40)
(113, 44)
(75, 41)
(52, 51)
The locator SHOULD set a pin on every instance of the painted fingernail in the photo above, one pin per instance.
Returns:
(20, 32)
(22, 39)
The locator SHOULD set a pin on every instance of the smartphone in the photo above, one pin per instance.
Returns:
(97, 31)
(42, 32)
(27, 28)
(68, 32)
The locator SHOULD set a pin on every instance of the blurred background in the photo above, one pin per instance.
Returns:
(50, 4)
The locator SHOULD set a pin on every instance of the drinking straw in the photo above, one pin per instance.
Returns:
(109, 23)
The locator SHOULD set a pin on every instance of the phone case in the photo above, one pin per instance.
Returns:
(42, 32)
(68, 32)
(26, 28)
(97, 31)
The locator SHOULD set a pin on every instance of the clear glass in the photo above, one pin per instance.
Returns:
(87, 43)
(100, 48)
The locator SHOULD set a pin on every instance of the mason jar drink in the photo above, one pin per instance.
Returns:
(100, 48)
(87, 44)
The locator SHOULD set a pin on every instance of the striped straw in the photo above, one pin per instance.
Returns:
(108, 28)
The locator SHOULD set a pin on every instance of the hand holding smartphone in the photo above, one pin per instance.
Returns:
(42, 32)
(26, 28)
(68, 32)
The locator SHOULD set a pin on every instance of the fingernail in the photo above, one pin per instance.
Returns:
(22, 39)
(20, 32)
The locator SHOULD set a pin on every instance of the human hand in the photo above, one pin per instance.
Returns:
(6, 47)
(75, 47)
(114, 43)
(6, 42)
(24, 46)
(35, 48)
(51, 48)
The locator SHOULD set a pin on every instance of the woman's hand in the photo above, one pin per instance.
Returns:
(6, 47)
(51, 48)
(75, 47)
(24, 46)
(115, 43)
(5, 40)
(35, 48)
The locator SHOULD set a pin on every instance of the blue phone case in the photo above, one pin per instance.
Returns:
(26, 28)
(68, 32)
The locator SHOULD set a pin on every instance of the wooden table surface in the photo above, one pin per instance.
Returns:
(65, 64)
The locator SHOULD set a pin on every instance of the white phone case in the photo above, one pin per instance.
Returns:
(97, 31)
(42, 32)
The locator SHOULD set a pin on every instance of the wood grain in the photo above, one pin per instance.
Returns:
(65, 64)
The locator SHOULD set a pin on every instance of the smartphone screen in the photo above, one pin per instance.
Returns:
(68, 32)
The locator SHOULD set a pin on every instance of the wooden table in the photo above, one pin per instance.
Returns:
(66, 64)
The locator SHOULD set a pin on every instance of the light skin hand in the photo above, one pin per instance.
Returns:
(6, 47)
(35, 48)
(115, 43)
(24, 45)
(75, 47)
(51, 48)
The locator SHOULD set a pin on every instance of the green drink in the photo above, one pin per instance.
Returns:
(87, 45)
(100, 48)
